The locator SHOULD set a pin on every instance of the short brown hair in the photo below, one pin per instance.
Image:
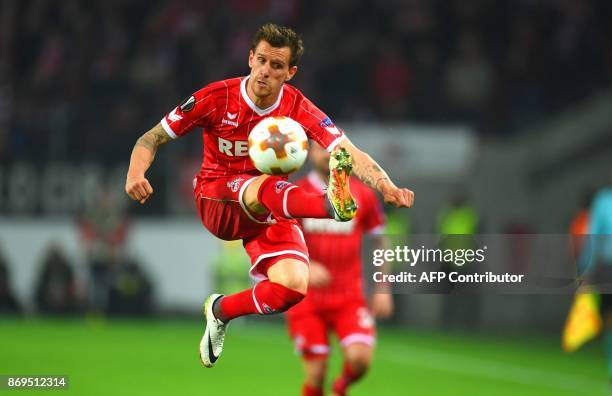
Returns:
(278, 37)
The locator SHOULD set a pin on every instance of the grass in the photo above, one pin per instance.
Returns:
(159, 357)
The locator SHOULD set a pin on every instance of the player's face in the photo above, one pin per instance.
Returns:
(269, 70)
(319, 158)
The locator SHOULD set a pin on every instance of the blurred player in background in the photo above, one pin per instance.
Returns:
(235, 201)
(335, 299)
(595, 262)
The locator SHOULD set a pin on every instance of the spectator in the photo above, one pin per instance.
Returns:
(8, 303)
(468, 78)
(56, 288)
(131, 291)
(146, 55)
(104, 230)
(457, 223)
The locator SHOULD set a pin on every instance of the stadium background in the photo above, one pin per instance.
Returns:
(501, 107)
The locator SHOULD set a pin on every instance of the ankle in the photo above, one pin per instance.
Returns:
(216, 309)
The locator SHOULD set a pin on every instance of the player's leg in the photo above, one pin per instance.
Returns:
(308, 330)
(315, 369)
(286, 200)
(286, 286)
(357, 358)
(278, 253)
(607, 317)
(355, 328)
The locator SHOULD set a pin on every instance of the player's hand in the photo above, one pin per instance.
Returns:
(319, 275)
(398, 197)
(382, 305)
(138, 188)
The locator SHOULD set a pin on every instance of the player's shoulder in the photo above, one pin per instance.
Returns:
(291, 93)
(292, 90)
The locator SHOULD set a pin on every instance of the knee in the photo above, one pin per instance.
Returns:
(359, 365)
(293, 274)
(359, 360)
(295, 282)
(250, 198)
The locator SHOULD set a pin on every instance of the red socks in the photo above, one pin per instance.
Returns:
(347, 378)
(340, 386)
(264, 298)
(308, 390)
(289, 201)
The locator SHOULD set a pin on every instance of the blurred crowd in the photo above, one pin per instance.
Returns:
(81, 80)
(113, 287)
(105, 280)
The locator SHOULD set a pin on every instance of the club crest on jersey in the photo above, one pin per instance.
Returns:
(234, 185)
(188, 104)
(280, 186)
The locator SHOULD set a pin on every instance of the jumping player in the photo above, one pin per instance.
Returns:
(335, 299)
(235, 201)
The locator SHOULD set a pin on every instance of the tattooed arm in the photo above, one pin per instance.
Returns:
(366, 169)
(136, 185)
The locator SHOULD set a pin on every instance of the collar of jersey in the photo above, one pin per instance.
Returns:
(252, 105)
(316, 180)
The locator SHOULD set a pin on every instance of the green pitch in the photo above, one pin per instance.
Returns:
(160, 358)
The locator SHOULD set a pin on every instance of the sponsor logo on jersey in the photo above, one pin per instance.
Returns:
(231, 116)
(238, 148)
(228, 122)
(234, 185)
(280, 186)
(174, 117)
(187, 104)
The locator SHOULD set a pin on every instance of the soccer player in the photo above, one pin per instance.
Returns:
(595, 262)
(335, 299)
(235, 201)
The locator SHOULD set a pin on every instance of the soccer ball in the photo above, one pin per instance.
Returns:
(278, 145)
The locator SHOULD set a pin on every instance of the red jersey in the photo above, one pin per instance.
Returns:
(337, 245)
(226, 115)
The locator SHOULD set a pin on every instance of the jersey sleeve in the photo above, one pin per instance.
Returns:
(319, 127)
(198, 110)
(374, 216)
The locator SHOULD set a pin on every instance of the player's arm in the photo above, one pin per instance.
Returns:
(136, 185)
(382, 305)
(366, 169)
(319, 274)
